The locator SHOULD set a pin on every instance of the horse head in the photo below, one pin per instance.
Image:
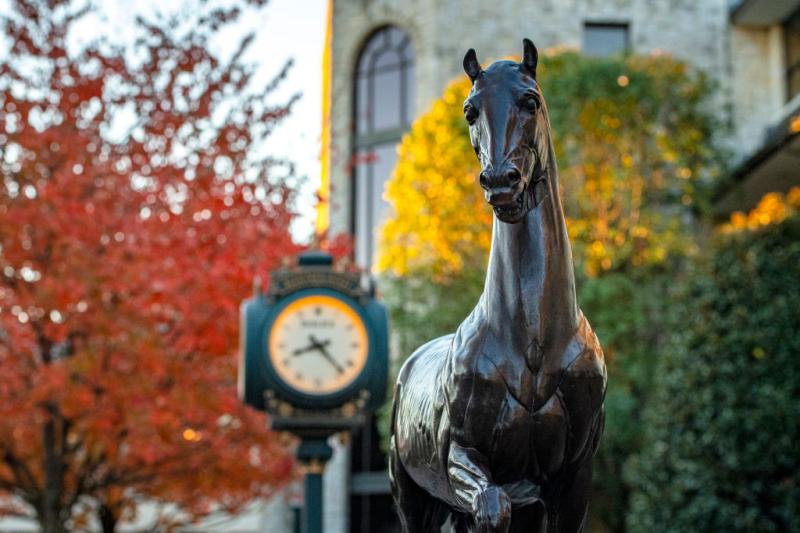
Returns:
(509, 129)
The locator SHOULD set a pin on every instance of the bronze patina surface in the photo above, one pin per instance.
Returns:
(496, 425)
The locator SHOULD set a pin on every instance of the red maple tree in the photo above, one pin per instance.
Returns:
(135, 211)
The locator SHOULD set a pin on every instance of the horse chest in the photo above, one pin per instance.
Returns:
(529, 444)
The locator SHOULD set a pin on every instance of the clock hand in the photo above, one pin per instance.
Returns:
(320, 346)
(315, 345)
(331, 360)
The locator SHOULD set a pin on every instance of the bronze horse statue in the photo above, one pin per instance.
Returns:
(496, 425)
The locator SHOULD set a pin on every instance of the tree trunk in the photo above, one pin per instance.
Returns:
(108, 520)
(52, 516)
(50, 522)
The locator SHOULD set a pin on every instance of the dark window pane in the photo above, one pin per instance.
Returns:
(373, 168)
(387, 59)
(407, 51)
(385, 158)
(363, 207)
(383, 108)
(362, 103)
(791, 32)
(408, 100)
(375, 42)
(604, 39)
(384, 84)
(393, 36)
(793, 82)
(386, 100)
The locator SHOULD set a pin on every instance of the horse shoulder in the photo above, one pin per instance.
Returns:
(475, 396)
(583, 387)
(417, 416)
(431, 352)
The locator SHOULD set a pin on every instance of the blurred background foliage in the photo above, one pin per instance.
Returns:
(721, 427)
(636, 140)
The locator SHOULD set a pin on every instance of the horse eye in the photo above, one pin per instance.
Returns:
(471, 114)
(530, 103)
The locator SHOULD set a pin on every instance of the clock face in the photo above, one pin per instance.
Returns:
(318, 344)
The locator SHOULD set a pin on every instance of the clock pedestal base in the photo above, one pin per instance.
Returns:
(313, 453)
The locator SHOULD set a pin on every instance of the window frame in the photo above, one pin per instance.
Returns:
(607, 24)
(372, 137)
(792, 22)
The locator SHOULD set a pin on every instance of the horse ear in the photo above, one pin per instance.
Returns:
(471, 65)
(530, 57)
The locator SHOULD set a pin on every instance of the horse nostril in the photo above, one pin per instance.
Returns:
(483, 179)
(513, 176)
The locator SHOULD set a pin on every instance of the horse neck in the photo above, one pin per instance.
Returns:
(529, 296)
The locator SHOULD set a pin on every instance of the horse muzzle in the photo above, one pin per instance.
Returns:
(505, 191)
(501, 186)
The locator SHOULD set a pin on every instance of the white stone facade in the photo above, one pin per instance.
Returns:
(747, 62)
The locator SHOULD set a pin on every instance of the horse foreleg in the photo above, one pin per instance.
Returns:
(571, 507)
(572, 504)
(419, 512)
(471, 481)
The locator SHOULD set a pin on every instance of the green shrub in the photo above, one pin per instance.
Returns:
(722, 427)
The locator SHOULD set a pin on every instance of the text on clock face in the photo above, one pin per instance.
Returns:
(318, 324)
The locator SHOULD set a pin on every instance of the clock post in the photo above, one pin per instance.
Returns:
(314, 357)
(313, 454)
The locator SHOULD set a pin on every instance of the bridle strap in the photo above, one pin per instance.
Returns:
(540, 177)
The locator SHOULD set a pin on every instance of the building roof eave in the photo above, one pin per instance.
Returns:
(774, 167)
(761, 13)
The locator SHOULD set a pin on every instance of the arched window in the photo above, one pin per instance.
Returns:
(382, 112)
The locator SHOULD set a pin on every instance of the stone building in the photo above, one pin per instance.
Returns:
(765, 44)
(387, 60)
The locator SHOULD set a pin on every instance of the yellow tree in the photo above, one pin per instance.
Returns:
(441, 223)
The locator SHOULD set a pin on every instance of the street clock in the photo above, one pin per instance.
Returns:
(318, 344)
(314, 348)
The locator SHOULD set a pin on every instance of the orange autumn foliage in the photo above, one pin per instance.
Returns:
(773, 208)
(134, 215)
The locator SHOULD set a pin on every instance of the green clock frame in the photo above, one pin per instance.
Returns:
(257, 375)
